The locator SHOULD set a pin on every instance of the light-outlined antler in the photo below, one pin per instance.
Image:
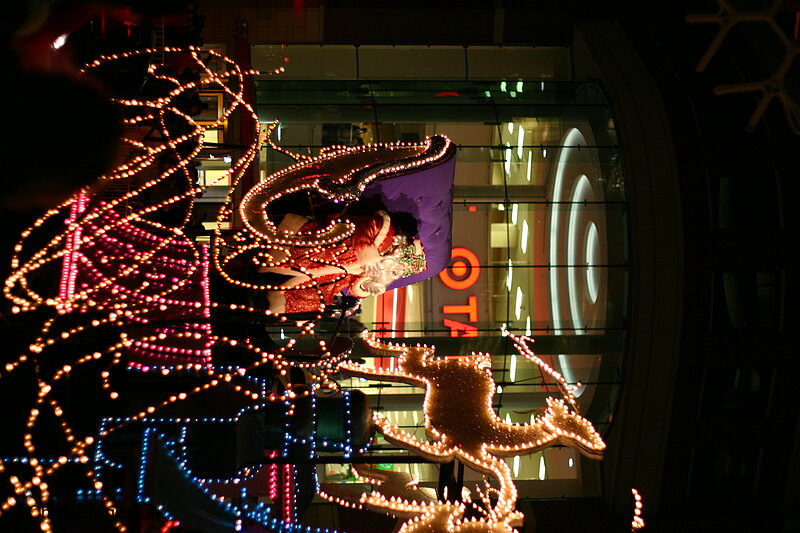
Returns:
(398, 494)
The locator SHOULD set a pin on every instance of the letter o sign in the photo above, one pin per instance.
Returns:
(463, 271)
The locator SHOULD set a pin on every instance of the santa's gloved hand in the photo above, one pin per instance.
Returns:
(373, 270)
(369, 259)
(373, 287)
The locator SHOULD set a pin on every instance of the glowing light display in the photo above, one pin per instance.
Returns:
(638, 522)
(461, 423)
(397, 493)
(132, 277)
(339, 174)
(135, 286)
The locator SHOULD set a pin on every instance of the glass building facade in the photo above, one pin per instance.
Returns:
(539, 233)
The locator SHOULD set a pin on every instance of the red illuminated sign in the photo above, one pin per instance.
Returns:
(462, 274)
(460, 267)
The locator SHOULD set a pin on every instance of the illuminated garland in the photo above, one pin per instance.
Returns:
(340, 174)
(112, 255)
(398, 494)
(147, 287)
(142, 159)
(638, 522)
(128, 273)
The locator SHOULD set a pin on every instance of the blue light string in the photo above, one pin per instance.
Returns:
(260, 512)
(140, 478)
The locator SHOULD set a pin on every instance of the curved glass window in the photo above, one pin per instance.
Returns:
(539, 236)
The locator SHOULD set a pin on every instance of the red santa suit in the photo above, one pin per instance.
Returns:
(317, 275)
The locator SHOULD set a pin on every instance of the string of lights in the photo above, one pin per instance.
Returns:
(459, 418)
(134, 285)
(123, 268)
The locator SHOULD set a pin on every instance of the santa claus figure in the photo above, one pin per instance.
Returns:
(362, 265)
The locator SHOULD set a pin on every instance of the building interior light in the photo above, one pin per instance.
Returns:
(501, 207)
(394, 313)
(516, 466)
(510, 127)
(503, 86)
(582, 193)
(544, 152)
(592, 254)
(571, 462)
(542, 468)
(520, 141)
(524, 238)
(518, 306)
(572, 139)
(410, 293)
(507, 162)
(530, 163)
(512, 368)
(514, 213)
(519, 86)
(528, 326)
(509, 277)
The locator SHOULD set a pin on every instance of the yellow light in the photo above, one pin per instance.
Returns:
(459, 418)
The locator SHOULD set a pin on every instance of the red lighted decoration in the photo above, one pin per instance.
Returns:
(170, 525)
(69, 269)
(459, 268)
(168, 290)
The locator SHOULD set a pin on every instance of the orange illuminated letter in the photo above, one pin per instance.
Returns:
(471, 308)
(467, 330)
(474, 272)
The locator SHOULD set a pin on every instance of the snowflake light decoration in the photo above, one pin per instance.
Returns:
(773, 87)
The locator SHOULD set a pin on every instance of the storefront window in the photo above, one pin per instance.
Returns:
(539, 235)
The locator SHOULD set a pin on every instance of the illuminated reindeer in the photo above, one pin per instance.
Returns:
(459, 419)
